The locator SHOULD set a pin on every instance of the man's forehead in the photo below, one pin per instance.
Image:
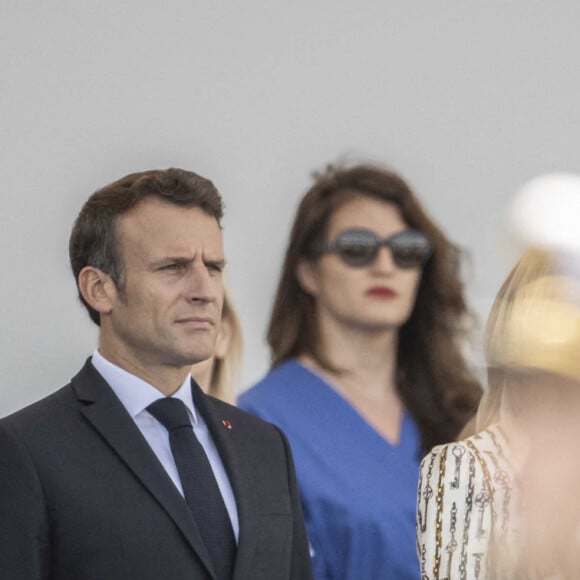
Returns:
(175, 227)
(152, 206)
(154, 215)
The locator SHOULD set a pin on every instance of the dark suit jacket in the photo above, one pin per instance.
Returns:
(83, 496)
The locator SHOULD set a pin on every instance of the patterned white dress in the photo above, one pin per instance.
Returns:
(465, 508)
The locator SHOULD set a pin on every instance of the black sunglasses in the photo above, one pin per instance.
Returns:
(360, 247)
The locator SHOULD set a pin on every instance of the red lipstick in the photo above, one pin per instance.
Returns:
(383, 292)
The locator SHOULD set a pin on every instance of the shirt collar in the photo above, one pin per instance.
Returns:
(136, 394)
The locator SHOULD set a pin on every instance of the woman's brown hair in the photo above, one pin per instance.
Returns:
(434, 381)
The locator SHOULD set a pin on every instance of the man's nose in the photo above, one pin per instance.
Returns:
(202, 286)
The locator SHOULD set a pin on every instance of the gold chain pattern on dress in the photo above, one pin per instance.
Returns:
(439, 512)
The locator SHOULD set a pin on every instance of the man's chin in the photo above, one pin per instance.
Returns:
(196, 357)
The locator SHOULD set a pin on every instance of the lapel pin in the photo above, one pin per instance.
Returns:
(227, 424)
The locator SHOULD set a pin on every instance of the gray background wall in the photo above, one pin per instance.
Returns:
(468, 99)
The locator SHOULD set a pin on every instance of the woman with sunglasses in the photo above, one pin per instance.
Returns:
(367, 371)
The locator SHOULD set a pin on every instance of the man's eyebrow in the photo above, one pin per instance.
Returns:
(172, 259)
(187, 260)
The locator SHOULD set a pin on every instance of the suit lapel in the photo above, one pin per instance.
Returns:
(108, 416)
(247, 501)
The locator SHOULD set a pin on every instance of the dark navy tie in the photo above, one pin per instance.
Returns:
(200, 487)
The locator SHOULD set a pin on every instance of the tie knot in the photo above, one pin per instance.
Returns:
(170, 412)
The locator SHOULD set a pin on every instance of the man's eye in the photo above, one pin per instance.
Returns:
(172, 267)
(215, 268)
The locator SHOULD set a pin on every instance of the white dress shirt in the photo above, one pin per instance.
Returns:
(136, 395)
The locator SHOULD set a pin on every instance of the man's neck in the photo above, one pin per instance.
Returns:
(166, 379)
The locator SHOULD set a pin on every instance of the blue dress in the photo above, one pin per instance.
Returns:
(359, 492)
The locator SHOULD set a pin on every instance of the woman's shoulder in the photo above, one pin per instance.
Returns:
(463, 501)
(443, 452)
(288, 396)
(486, 442)
(480, 458)
(278, 384)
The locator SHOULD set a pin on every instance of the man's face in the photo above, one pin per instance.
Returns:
(166, 315)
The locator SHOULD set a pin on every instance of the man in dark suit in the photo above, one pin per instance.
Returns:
(100, 480)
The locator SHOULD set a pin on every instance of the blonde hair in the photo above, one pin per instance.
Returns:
(533, 326)
(225, 370)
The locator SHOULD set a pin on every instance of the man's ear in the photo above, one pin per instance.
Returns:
(97, 288)
(306, 276)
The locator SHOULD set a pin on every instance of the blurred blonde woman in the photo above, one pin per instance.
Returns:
(217, 375)
(501, 504)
